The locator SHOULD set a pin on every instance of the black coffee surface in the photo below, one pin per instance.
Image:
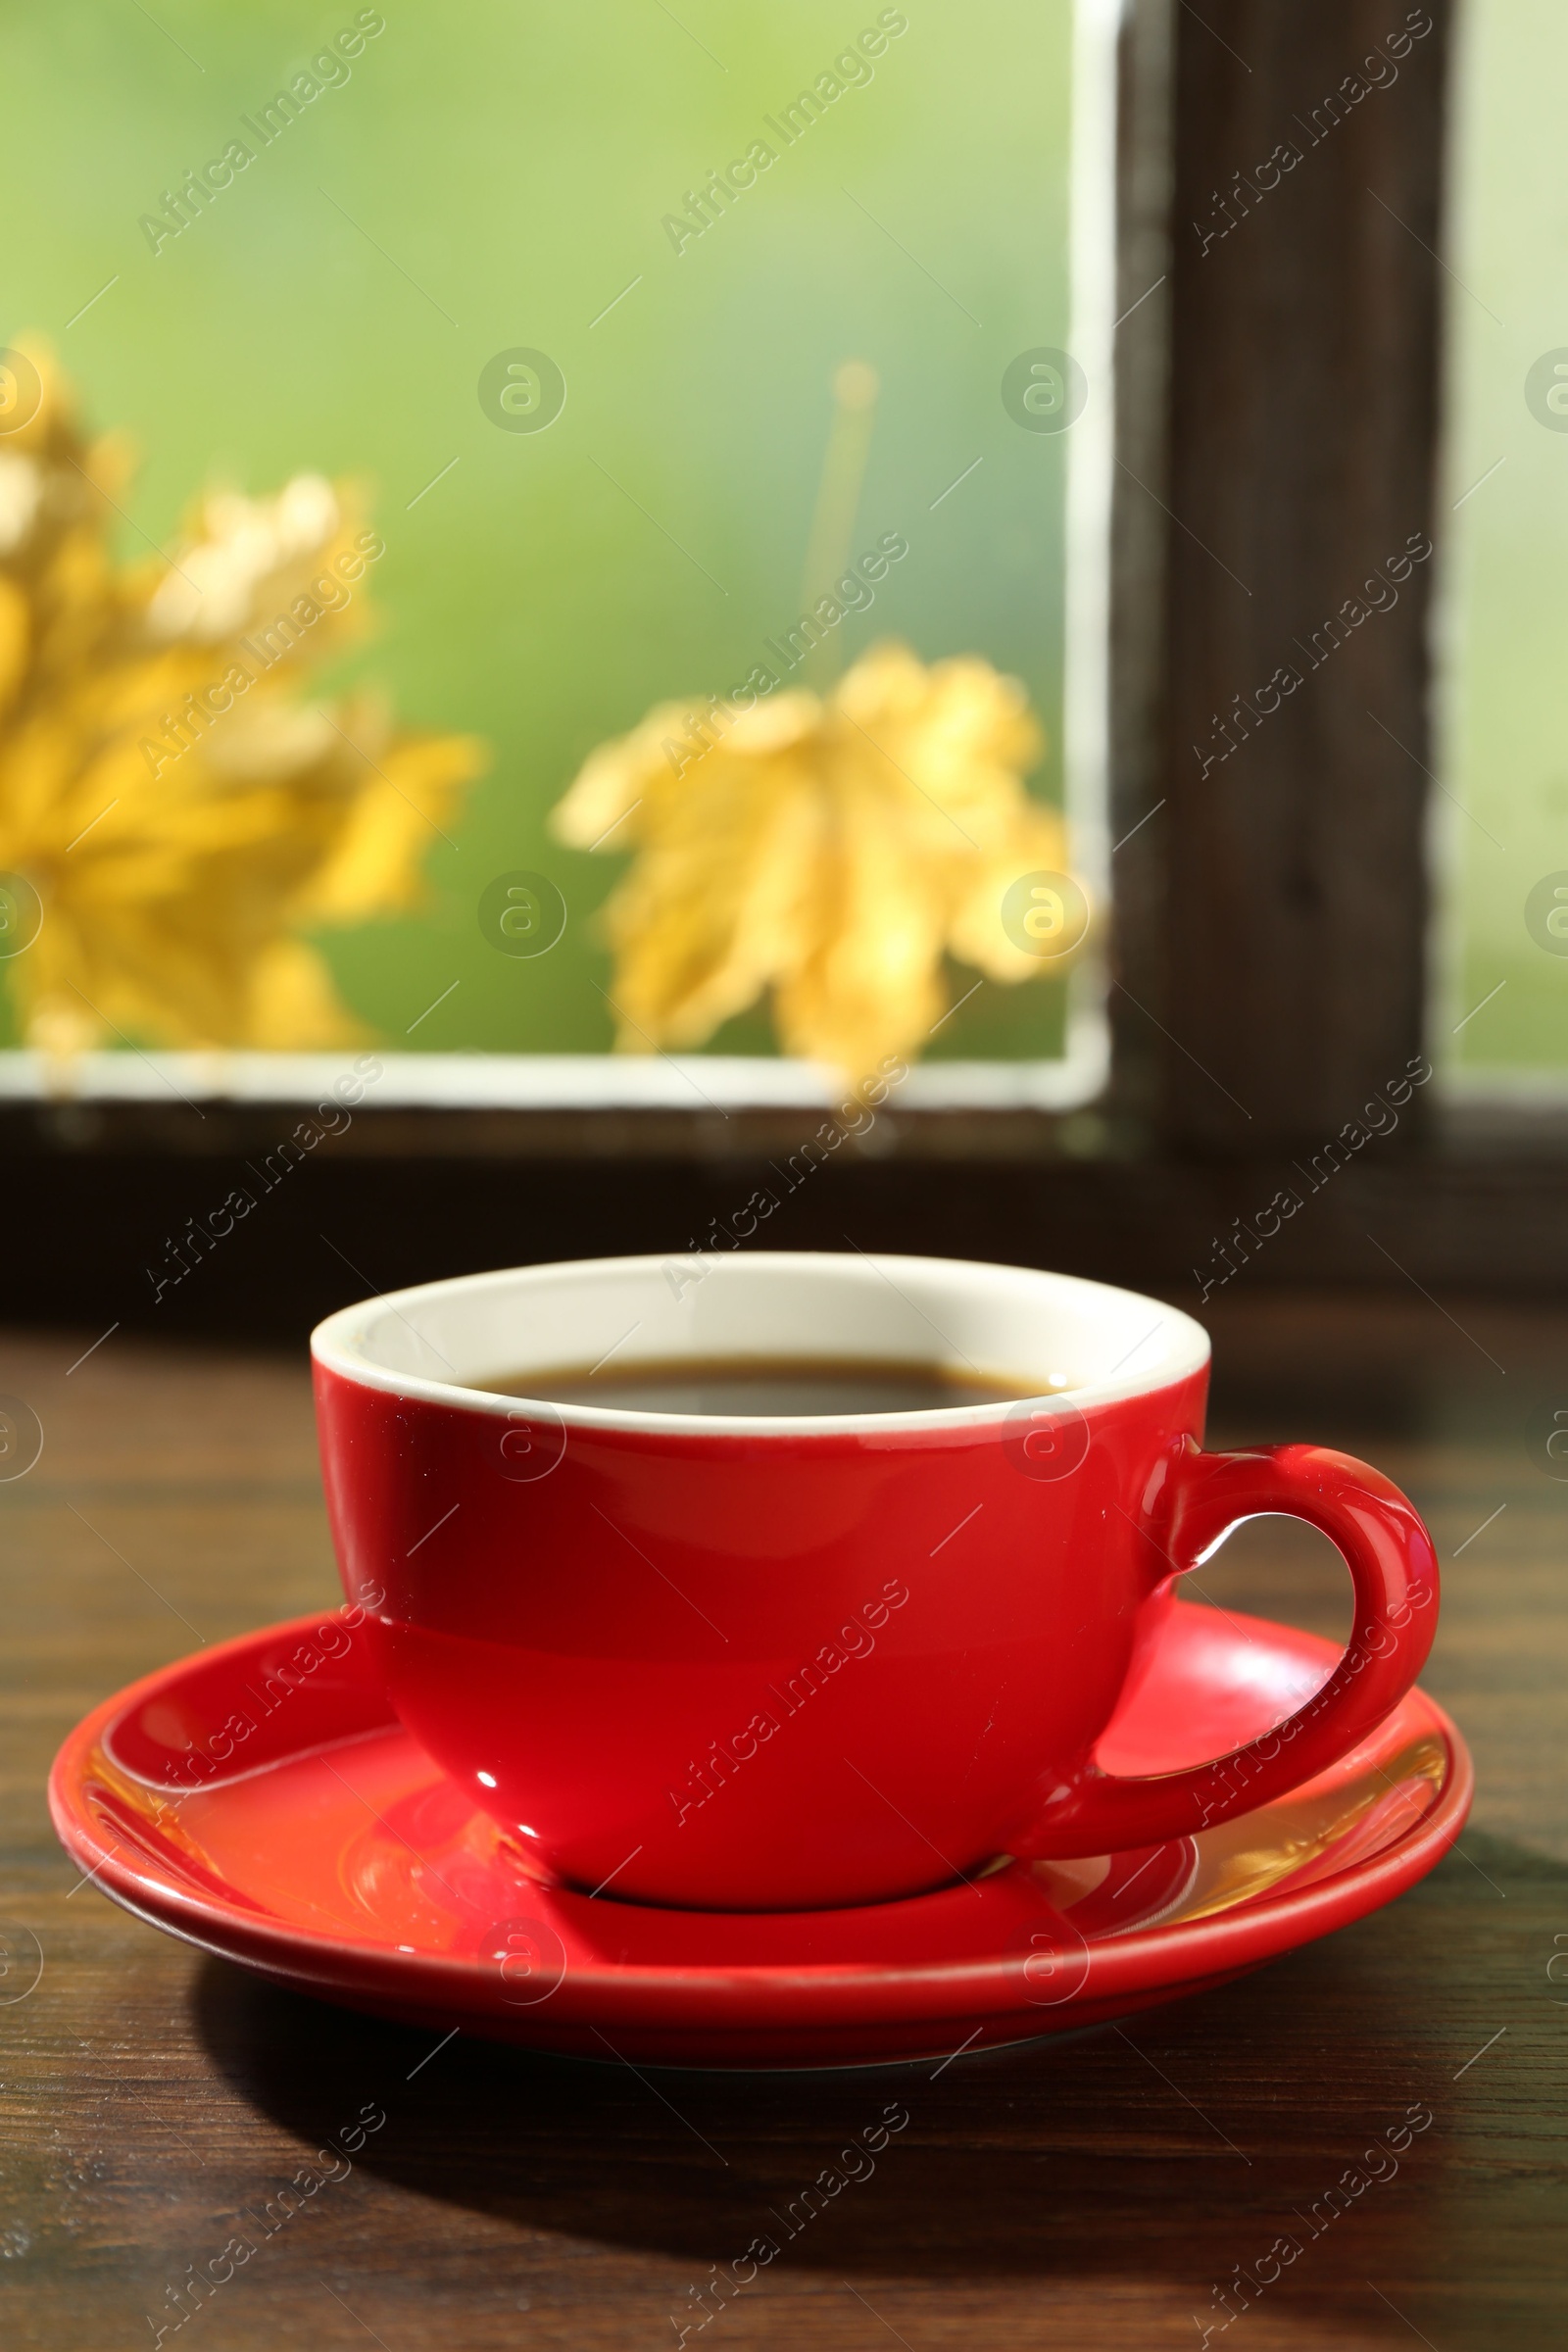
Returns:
(783, 1385)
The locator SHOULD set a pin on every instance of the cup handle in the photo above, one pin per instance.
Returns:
(1394, 1570)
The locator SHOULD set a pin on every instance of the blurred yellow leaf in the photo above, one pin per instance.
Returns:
(175, 803)
(833, 850)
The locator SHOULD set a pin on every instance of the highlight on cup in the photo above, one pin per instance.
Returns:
(1044, 1437)
(530, 1444)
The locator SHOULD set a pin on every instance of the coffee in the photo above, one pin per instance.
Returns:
(771, 1385)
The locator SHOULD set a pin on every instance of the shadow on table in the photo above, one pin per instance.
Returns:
(1171, 2153)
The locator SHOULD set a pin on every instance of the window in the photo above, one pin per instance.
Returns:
(1279, 436)
(695, 224)
(1501, 818)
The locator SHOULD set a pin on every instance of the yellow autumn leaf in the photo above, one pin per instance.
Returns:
(833, 850)
(178, 805)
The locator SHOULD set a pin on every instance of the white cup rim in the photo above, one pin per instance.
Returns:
(428, 1342)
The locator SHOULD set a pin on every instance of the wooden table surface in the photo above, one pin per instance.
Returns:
(1089, 2193)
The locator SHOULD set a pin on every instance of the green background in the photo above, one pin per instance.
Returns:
(1504, 755)
(504, 171)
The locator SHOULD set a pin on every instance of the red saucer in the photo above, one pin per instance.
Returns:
(313, 1839)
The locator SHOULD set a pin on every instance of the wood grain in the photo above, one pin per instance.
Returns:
(1286, 887)
(1091, 2194)
(1475, 1207)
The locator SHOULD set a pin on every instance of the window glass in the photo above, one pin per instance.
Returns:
(605, 312)
(1502, 810)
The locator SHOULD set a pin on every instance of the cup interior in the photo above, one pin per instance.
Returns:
(1012, 1324)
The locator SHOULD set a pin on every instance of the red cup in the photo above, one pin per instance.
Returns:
(749, 1662)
